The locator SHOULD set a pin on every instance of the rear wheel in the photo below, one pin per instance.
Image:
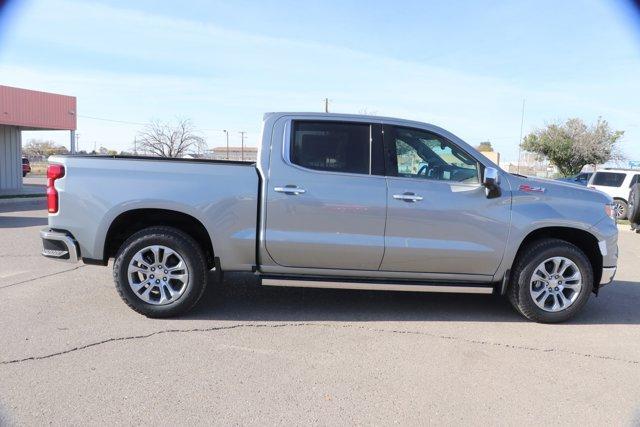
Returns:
(621, 208)
(160, 272)
(634, 207)
(551, 281)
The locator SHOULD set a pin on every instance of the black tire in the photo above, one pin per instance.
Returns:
(532, 256)
(179, 242)
(24, 174)
(634, 206)
(622, 208)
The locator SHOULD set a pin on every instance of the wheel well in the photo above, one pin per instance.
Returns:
(132, 221)
(584, 240)
(621, 198)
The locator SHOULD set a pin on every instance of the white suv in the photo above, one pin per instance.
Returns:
(616, 183)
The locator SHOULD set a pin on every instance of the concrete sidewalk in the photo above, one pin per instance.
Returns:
(32, 186)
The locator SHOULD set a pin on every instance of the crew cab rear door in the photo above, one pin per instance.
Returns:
(326, 195)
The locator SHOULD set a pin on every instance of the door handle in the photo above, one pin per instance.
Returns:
(408, 197)
(290, 189)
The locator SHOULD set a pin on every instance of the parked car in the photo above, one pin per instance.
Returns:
(334, 201)
(26, 167)
(634, 207)
(581, 178)
(616, 183)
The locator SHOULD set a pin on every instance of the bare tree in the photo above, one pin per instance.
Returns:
(167, 139)
(38, 149)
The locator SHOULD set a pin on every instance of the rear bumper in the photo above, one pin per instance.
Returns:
(59, 245)
(608, 273)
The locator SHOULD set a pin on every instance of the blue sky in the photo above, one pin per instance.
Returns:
(463, 65)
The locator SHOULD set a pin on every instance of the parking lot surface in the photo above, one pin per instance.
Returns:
(71, 352)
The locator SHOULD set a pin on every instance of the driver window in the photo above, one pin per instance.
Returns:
(421, 154)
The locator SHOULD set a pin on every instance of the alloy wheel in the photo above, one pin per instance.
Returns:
(555, 284)
(157, 275)
(619, 209)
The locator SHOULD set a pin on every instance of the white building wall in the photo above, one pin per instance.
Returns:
(10, 158)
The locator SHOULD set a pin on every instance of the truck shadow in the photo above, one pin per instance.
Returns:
(22, 205)
(241, 298)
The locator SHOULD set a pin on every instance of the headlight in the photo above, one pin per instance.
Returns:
(610, 210)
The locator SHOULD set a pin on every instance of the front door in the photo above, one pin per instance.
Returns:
(326, 200)
(439, 219)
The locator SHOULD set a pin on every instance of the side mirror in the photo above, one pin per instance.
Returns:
(491, 182)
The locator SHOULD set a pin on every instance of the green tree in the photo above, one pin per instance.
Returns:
(573, 144)
(484, 146)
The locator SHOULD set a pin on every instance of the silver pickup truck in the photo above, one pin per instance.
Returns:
(334, 201)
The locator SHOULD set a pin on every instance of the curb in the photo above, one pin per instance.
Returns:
(22, 198)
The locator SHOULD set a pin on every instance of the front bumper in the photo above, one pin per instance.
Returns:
(608, 273)
(59, 245)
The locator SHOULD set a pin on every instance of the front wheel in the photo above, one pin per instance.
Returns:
(160, 272)
(551, 281)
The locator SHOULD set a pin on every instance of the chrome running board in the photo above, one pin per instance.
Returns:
(378, 286)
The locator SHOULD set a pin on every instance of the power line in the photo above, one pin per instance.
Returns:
(137, 123)
(111, 120)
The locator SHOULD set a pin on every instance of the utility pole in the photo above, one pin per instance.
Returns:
(226, 132)
(520, 140)
(135, 146)
(326, 105)
(242, 144)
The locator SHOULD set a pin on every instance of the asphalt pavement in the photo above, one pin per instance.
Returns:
(71, 352)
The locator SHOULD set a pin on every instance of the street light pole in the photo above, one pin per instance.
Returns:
(227, 134)
(520, 141)
(242, 144)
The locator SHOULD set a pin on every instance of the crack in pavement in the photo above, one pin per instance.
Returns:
(325, 325)
(42, 277)
(151, 334)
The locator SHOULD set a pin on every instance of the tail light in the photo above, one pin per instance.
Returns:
(53, 172)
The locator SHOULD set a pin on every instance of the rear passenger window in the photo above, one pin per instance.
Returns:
(330, 146)
(608, 179)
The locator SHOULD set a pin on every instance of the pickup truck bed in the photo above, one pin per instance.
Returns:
(100, 195)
